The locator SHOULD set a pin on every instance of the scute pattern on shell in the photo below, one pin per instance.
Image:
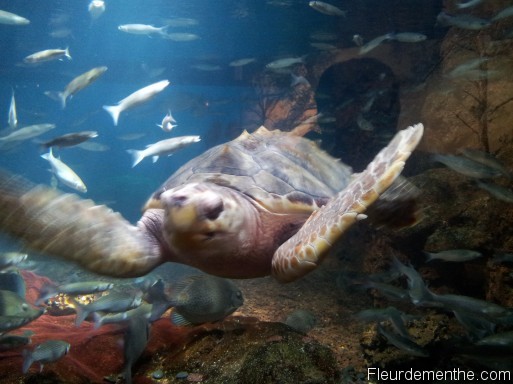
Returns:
(283, 172)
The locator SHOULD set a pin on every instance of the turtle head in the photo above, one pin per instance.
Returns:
(205, 222)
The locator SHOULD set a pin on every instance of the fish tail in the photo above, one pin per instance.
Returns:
(429, 256)
(137, 156)
(97, 320)
(62, 97)
(114, 111)
(27, 360)
(66, 53)
(82, 313)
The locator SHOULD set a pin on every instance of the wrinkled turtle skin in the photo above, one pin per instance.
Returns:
(269, 202)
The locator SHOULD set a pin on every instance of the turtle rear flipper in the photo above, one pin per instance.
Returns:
(74, 229)
(307, 248)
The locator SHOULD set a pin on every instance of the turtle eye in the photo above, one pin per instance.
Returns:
(214, 211)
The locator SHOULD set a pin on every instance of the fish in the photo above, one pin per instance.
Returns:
(96, 8)
(46, 352)
(498, 339)
(470, 304)
(407, 37)
(12, 304)
(501, 257)
(364, 124)
(64, 173)
(14, 341)
(391, 314)
(467, 66)
(358, 40)
(284, 63)
(115, 301)
(181, 22)
(506, 12)
(478, 326)
(167, 122)
(138, 97)
(143, 29)
(301, 320)
(327, 9)
(72, 289)
(404, 343)
(11, 259)
(11, 280)
(78, 83)
(70, 139)
(497, 191)
(162, 147)
(370, 45)
(202, 299)
(456, 255)
(462, 21)
(417, 289)
(468, 4)
(8, 323)
(242, 62)
(144, 310)
(27, 132)
(467, 167)
(12, 19)
(135, 340)
(296, 80)
(181, 36)
(47, 55)
(486, 159)
(93, 147)
(12, 120)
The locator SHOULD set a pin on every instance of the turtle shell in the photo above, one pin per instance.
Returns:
(282, 172)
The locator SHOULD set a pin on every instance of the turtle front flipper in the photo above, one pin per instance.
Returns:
(74, 229)
(304, 251)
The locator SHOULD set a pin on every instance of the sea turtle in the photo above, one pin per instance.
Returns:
(267, 202)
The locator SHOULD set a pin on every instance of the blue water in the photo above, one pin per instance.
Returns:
(206, 103)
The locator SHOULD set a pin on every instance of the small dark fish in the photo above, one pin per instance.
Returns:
(203, 299)
(47, 352)
(135, 340)
(301, 320)
(456, 255)
(403, 343)
(70, 139)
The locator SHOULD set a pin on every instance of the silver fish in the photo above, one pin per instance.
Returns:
(391, 314)
(242, 62)
(327, 9)
(506, 12)
(456, 255)
(144, 310)
(498, 339)
(467, 167)
(78, 83)
(27, 132)
(462, 21)
(72, 289)
(417, 289)
(486, 159)
(403, 343)
(163, 147)
(497, 191)
(369, 46)
(113, 302)
(468, 4)
(47, 352)
(70, 139)
(181, 36)
(471, 304)
(13, 116)
(204, 298)
(167, 122)
(467, 66)
(11, 259)
(47, 55)
(135, 340)
(64, 173)
(143, 29)
(12, 19)
(138, 97)
(284, 63)
(96, 8)
(408, 37)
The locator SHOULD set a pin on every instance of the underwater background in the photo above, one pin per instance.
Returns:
(369, 68)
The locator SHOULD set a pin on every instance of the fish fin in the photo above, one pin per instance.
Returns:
(114, 111)
(154, 159)
(27, 360)
(62, 97)
(137, 156)
(179, 320)
(159, 125)
(97, 320)
(81, 311)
